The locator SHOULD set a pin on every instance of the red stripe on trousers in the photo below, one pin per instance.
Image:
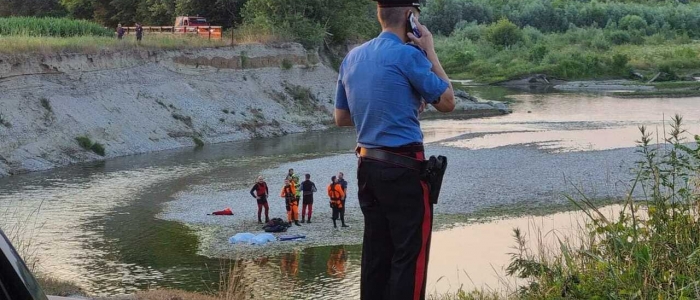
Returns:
(421, 263)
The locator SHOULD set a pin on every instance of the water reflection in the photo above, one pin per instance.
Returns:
(336, 262)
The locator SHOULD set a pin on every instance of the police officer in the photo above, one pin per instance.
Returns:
(383, 85)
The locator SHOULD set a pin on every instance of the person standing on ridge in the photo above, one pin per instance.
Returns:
(291, 202)
(139, 33)
(383, 85)
(261, 192)
(308, 188)
(344, 186)
(335, 192)
(120, 31)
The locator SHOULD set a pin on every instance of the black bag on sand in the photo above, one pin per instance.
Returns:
(276, 225)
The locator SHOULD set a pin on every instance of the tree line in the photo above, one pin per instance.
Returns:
(444, 16)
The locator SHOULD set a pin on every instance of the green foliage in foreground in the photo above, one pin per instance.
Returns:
(656, 256)
(50, 27)
(650, 251)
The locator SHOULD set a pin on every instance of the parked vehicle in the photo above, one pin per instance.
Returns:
(184, 25)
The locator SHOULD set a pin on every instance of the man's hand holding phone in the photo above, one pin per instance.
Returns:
(425, 41)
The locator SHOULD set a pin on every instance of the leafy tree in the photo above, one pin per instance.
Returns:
(79, 9)
(313, 21)
(633, 22)
(504, 33)
(441, 16)
(39, 8)
(160, 12)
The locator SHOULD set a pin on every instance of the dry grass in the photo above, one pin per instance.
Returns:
(247, 34)
(56, 287)
(20, 227)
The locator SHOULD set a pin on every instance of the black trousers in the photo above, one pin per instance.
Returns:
(398, 225)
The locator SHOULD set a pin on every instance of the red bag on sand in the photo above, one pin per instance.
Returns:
(225, 212)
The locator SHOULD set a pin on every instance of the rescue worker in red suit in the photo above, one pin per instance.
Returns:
(261, 192)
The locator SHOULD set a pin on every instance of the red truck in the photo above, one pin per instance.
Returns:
(184, 25)
(188, 24)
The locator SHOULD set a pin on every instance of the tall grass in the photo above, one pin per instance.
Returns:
(51, 27)
(20, 226)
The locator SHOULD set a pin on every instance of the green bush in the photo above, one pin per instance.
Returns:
(667, 74)
(46, 104)
(198, 142)
(87, 144)
(538, 52)
(286, 64)
(84, 142)
(471, 31)
(504, 33)
(98, 148)
(619, 37)
(633, 22)
(619, 64)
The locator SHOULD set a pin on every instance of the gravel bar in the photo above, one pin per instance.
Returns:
(475, 180)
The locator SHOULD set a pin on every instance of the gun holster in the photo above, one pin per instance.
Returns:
(433, 171)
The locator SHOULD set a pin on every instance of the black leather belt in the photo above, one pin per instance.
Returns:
(391, 158)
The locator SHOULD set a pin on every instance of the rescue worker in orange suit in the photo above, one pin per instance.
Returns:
(308, 188)
(335, 192)
(291, 201)
(336, 262)
(260, 192)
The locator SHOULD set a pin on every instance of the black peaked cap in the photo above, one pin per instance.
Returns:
(398, 3)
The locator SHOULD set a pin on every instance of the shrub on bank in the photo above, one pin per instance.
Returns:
(198, 142)
(84, 142)
(87, 144)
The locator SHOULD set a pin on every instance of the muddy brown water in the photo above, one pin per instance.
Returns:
(95, 224)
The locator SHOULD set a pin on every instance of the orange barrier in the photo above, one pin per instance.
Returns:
(210, 32)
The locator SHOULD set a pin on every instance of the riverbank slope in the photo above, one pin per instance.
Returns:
(61, 109)
(139, 101)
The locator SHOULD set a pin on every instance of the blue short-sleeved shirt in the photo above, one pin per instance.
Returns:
(381, 83)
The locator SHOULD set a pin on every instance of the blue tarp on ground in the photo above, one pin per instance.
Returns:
(247, 237)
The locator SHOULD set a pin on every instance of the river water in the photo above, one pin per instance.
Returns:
(101, 226)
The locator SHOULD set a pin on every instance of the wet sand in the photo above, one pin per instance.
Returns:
(475, 256)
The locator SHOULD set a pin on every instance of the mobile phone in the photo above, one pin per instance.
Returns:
(412, 25)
